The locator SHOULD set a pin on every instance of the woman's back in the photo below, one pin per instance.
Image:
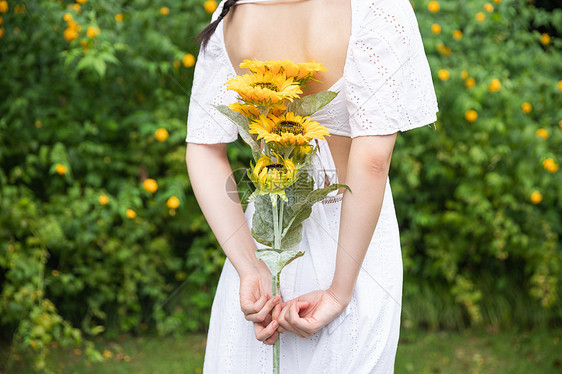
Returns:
(301, 30)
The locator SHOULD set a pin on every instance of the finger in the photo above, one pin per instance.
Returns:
(263, 333)
(276, 312)
(252, 308)
(303, 305)
(271, 340)
(265, 311)
(284, 323)
(298, 324)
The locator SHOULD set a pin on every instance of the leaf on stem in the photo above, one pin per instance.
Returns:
(276, 260)
(309, 104)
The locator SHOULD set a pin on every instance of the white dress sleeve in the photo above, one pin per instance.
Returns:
(388, 81)
(205, 124)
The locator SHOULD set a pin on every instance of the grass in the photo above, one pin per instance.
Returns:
(472, 352)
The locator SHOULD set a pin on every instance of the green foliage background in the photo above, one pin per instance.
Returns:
(476, 250)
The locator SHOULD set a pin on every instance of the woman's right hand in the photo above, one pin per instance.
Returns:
(257, 303)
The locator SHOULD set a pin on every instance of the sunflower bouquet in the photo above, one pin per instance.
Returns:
(274, 119)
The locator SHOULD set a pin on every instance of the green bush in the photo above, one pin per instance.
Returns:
(480, 213)
(78, 139)
(85, 248)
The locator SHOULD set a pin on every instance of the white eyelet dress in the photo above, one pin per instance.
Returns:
(386, 87)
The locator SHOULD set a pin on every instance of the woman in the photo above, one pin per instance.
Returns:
(341, 301)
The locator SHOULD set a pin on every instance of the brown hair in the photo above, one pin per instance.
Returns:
(208, 31)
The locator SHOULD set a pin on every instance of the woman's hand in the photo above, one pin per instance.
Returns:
(306, 314)
(257, 303)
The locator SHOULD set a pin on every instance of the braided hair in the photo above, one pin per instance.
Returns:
(206, 33)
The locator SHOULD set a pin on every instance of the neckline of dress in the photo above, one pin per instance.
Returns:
(220, 31)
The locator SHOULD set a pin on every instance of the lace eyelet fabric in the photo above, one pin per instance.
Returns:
(386, 87)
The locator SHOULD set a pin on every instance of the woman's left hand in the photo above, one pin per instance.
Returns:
(306, 314)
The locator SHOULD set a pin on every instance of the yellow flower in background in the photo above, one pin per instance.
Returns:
(443, 74)
(271, 176)
(103, 199)
(173, 202)
(264, 88)
(70, 34)
(545, 38)
(541, 133)
(1, 32)
(107, 354)
(550, 165)
(210, 6)
(436, 28)
(19, 9)
(536, 197)
(176, 64)
(67, 17)
(92, 32)
(3, 6)
(497, 1)
(150, 185)
(119, 17)
(188, 60)
(164, 11)
(470, 82)
(77, 8)
(131, 213)
(457, 34)
(81, 1)
(471, 115)
(526, 107)
(443, 49)
(464, 74)
(288, 129)
(1, 20)
(60, 169)
(488, 7)
(560, 85)
(433, 6)
(495, 85)
(480, 17)
(161, 134)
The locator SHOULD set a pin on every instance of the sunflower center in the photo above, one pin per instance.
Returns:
(275, 167)
(268, 85)
(276, 172)
(292, 127)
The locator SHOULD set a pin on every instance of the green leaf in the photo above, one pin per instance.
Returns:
(276, 260)
(317, 195)
(308, 105)
(262, 221)
(242, 122)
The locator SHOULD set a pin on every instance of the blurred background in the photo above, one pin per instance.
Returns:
(108, 266)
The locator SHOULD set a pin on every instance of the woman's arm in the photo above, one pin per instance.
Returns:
(211, 179)
(367, 173)
(216, 192)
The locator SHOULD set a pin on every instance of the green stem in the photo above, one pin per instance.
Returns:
(276, 346)
(275, 280)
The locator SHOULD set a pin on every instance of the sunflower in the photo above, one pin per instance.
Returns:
(272, 177)
(264, 88)
(302, 71)
(249, 111)
(252, 112)
(288, 129)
